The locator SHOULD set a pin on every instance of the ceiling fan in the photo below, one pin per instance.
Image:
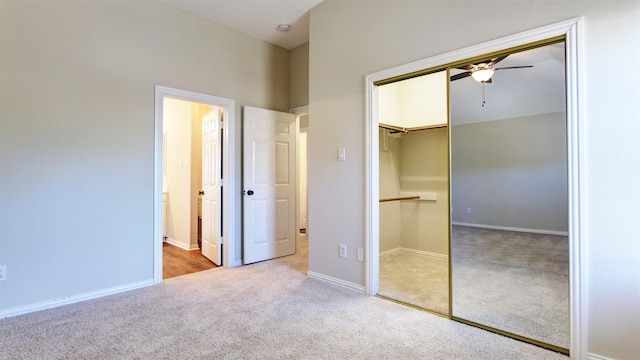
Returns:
(482, 72)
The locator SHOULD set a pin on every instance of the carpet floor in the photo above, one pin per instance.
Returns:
(416, 280)
(267, 310)
(513, 281)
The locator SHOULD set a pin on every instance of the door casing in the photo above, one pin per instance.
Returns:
(571, 30)
(228, 158)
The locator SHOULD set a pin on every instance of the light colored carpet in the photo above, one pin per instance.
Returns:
(416, 279)
(514, 281)
(267, 310)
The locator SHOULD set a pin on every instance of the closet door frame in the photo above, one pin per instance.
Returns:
(571, 31)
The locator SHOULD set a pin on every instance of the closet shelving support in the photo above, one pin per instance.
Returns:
(415, 197)
(396, 131)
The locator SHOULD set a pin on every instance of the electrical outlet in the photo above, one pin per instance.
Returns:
(3, 272)
(343, 251)
(360, 254)
(468, 210)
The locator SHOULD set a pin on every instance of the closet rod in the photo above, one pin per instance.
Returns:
(401, 198)
(407, 130)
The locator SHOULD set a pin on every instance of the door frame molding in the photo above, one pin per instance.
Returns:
(229, 183)
(572, 31)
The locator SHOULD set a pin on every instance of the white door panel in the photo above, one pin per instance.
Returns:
(269, 184)
(211, 248)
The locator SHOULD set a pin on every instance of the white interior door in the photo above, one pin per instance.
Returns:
(269, 184)
(211, 237)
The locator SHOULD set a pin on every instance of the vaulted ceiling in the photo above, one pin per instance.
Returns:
(512, 93)
(258, 18)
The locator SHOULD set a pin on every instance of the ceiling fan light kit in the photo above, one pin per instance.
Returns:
(482, 75)
(483, 72)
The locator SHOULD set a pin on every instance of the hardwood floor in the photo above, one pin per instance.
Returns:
(176, 261)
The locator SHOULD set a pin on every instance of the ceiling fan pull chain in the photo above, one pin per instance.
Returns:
(483, 101)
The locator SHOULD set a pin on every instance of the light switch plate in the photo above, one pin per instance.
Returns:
(342, 154)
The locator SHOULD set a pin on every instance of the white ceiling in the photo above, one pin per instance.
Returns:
(258, 18)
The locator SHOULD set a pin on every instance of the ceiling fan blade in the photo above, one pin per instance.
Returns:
(464, 67)
(487, 62)
(460, 76)
(513, 67)
(497, 60)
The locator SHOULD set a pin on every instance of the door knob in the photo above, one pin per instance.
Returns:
(250, 192)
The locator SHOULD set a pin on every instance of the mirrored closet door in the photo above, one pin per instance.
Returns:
(414, 192)
(509, 195)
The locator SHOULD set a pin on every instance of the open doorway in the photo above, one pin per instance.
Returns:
(191, 186)
(193, 210)
(302, 203)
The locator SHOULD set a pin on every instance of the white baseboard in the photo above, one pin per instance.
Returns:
(415, 252)
(235, 263)
(338, 282)
(181, 245)
(425, 254)
(506, 228)
(597, 357)
(45, 305)
(391, 252)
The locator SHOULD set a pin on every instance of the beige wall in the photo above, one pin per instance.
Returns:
(416, 163)
(177, 182)
(347, 42)
(424, 169)
(76, 172)
(390, 216)
(511, 173)
(299, 76)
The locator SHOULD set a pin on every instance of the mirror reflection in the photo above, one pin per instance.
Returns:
(509, 194)
(414, 192)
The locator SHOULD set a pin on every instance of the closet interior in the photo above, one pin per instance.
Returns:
(414, 192)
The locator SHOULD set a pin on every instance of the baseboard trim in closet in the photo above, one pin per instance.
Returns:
(415, 252)
(507, 228)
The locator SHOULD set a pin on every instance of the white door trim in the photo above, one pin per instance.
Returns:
(572, 30)
(229, 157)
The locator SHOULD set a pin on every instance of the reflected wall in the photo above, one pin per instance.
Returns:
(509, 234)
